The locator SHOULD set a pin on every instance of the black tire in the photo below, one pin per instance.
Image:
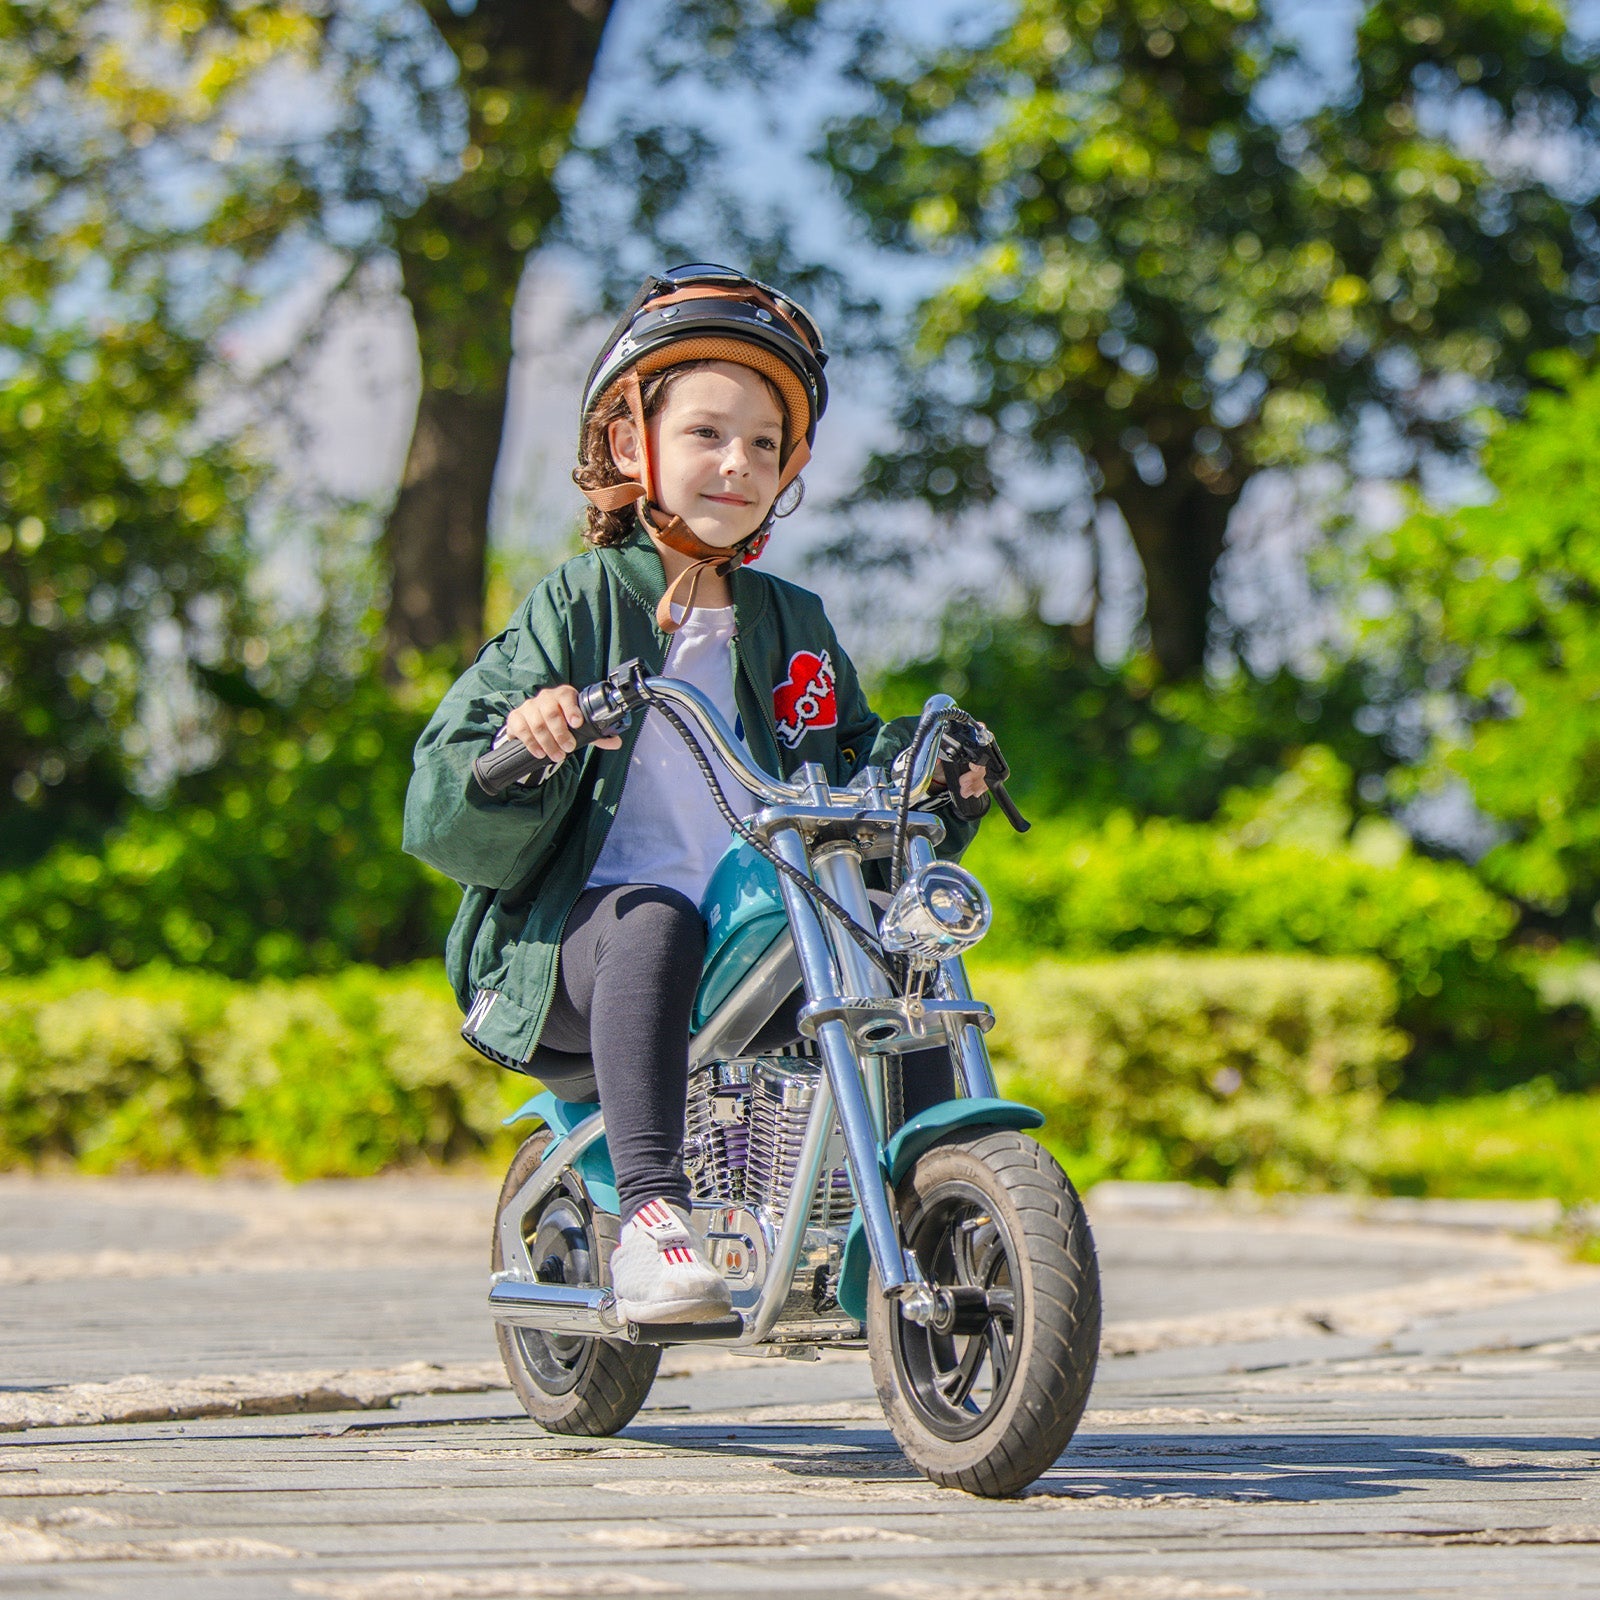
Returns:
(569, 1385)
(988, 1405)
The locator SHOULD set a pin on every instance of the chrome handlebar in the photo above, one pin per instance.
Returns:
(608, 705)
(776, 791)
(685, 698)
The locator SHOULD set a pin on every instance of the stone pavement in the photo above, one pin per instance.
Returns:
(1309, 1401)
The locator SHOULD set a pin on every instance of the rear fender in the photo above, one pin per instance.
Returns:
(924, 1129)
(561, 1117)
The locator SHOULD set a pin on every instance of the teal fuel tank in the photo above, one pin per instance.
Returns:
(743, 912)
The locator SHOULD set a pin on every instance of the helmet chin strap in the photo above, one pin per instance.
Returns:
(674, 532)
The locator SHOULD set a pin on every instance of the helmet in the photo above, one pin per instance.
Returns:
(702, 312)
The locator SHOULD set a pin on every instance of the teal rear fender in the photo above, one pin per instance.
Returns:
(561, 1117)
(924, 1129)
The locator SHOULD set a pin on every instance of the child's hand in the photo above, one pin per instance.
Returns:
(545, 724)
(973, 782)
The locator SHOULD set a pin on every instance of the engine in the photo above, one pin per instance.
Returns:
(747, 1121)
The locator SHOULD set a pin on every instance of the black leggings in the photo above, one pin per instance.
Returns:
(630, 964)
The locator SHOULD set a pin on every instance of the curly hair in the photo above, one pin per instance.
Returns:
(596, 469)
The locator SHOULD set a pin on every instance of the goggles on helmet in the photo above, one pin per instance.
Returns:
(708, 272)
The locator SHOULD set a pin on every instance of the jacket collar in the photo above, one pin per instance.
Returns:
(637, 565)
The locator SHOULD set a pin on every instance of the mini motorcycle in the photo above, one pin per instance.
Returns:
(951, 1244)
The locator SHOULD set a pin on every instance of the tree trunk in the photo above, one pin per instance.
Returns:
(437, 537)
(1178, 528)
(525, 68)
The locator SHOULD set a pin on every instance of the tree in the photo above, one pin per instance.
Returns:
(1178, 263)
(524, 70)
(1494, 622)
(121, 523)
(170, 160)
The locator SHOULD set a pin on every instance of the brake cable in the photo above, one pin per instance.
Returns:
(926, 726)
(817, 893)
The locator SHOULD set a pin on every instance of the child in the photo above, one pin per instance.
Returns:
(579, 929)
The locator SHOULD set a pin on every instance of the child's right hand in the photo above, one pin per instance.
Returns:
(545, 723)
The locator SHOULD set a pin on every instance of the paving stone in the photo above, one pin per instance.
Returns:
(1457, 1455)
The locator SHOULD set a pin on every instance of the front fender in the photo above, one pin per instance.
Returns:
(924, 1129)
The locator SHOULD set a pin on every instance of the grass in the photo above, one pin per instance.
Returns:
(1527, 1143)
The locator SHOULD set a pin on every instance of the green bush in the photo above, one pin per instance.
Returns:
(1267, 1071)
(1085, 739)
(320, 1076)
(1529, 1142)
(1476, 1019)
(282, 861)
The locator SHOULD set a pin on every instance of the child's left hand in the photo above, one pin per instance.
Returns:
(973, 782)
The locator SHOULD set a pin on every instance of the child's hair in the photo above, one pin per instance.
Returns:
(596, 469)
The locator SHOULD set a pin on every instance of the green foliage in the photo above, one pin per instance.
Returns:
(323, 1077)
(1152, 275)
(113, 521)
(1285, 873)
(1265, 1071)
(1084, 739)
(284, 859)
(1494, 605)
(1529, 1142)
(122, 552)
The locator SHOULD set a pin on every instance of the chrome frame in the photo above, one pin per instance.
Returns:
(824, 833)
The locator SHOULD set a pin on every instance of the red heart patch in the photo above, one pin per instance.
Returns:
(805, 699)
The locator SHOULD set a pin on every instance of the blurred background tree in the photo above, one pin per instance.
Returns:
(1177, 259)
(1152, 258)
(1492, 623)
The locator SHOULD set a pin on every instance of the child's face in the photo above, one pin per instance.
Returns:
(716, 445)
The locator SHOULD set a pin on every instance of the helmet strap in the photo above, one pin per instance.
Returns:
(677, 535)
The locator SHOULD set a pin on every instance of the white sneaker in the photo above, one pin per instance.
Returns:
(659, 1270)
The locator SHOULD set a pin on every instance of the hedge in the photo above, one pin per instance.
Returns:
(1474, 1015)
(282, 861)
(1264, 1069)
(314, 1077)
(1530, 1142)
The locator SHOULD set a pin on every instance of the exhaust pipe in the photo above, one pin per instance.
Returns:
(582, 1311)
(555, 1308)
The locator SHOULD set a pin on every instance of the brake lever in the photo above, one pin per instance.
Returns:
(975, 745)
(1008, 808)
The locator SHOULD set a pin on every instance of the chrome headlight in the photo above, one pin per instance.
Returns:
(938, 912)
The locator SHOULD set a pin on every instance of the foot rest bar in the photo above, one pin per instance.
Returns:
(685, 1332)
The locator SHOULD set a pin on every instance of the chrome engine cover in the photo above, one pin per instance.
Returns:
(746, 1122)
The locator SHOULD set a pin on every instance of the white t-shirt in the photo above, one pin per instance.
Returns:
(667, 828)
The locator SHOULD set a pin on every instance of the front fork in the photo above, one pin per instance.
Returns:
(861, 1113)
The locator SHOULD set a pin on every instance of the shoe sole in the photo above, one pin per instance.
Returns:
(697, 1310)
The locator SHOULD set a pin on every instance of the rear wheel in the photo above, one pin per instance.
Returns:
(988, 1395)
(569, 1384)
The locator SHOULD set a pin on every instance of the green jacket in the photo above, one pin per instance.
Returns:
(524, 858)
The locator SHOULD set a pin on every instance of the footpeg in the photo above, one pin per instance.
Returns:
(685, 1332)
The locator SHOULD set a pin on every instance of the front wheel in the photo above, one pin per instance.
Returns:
(569, 1384)
(988, 1395)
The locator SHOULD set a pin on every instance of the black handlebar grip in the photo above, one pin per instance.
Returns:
(506, 762)
(510, 761)
(1008, 808)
